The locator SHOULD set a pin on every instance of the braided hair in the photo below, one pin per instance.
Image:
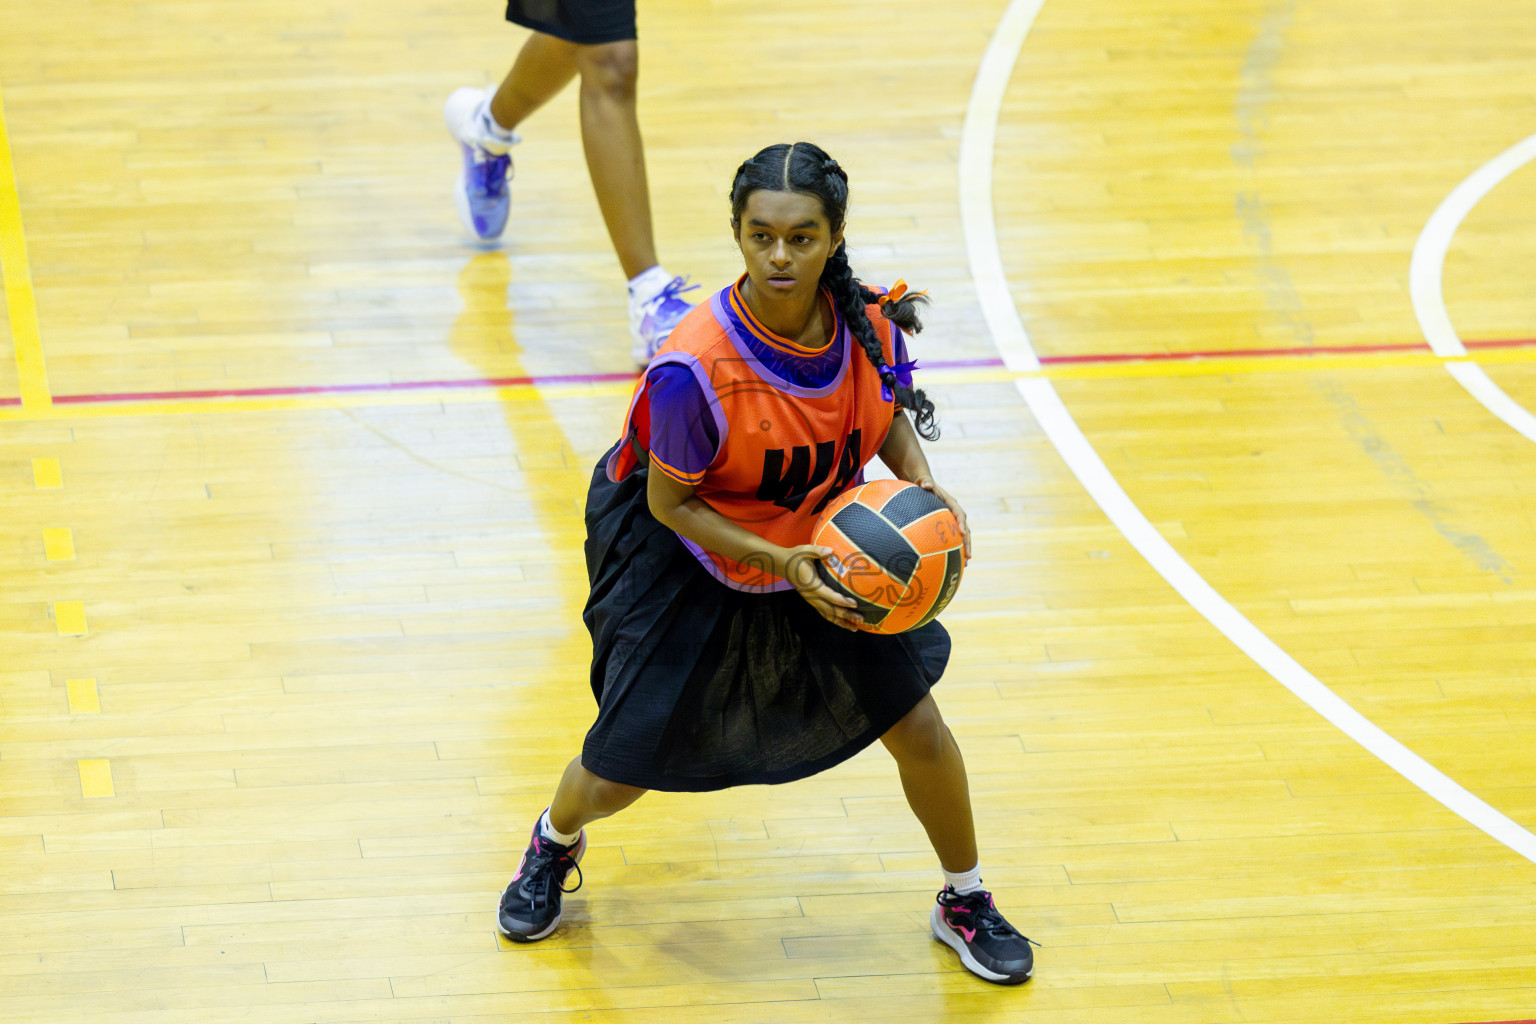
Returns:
(805, 167)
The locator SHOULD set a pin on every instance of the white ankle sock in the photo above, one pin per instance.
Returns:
(964, 881)
(489, 124)
(548, 831)
(647, 284)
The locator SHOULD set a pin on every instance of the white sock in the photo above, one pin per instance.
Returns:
(647, 284)
(548, 831)
(964, 881)
(491, 127)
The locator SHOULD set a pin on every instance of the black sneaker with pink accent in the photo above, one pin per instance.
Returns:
(530, 908)
(988, 945)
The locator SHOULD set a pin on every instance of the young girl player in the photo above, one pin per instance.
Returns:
(719, 659)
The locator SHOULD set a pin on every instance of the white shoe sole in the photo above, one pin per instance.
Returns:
(946, 935)
(530, 938)
(639, 350)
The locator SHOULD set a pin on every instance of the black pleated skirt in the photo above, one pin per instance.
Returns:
(701, 687)
(588, 22)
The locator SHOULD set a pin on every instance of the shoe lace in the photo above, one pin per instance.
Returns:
(675, 287)
(544, 863)
(491, 174)
(983, 912)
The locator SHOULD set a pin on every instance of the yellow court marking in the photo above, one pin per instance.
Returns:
(59, 544)
(83, 696)
(69, 616)
(47, 474)
(96, 778)
(19, 298)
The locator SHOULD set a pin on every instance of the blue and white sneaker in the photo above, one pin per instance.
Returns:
(652, 318)
(482, 193)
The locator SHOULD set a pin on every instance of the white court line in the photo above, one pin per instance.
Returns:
(1008, 333)
(1427, 290)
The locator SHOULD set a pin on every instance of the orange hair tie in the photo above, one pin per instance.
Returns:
(897, 291)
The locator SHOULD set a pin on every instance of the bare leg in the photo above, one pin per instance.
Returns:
(582, 798)
(544, 66)
(933, 777)
(610, 134)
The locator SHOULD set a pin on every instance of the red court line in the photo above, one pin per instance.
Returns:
(10, 401)
(1504, 343)
(1228, 353)
(603, 378)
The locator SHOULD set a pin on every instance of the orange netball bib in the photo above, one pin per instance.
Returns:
(785, 450)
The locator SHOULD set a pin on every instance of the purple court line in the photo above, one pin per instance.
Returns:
(605, 378)
(340, 389)
(1258, 353)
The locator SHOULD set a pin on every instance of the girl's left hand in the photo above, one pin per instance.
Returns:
(927, 484)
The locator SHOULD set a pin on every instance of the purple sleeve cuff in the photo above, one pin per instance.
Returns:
(684, 439)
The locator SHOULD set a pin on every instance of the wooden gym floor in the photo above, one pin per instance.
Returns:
(290, 653)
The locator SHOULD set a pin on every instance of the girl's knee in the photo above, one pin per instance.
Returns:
(611, 796)
(921, 734)
(613, 68)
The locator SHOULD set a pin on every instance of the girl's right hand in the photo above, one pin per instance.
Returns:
(800, 563)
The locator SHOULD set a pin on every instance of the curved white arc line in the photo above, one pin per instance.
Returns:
(977, 143)
(1426, 286)
(975, 172)
(1096, 478)
(1494, 398)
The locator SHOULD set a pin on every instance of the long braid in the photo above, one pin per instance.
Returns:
(853, 300)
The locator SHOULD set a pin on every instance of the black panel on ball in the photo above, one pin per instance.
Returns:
(872, 614)
(910, 504)
(879, 541)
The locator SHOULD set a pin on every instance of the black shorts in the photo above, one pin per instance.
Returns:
(588, 22)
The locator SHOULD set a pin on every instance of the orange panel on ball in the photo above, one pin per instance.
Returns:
(938, 531)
